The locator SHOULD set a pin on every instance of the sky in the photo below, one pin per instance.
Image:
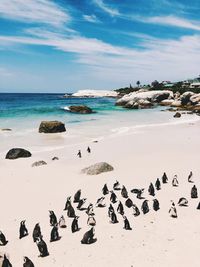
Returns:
(68, 45)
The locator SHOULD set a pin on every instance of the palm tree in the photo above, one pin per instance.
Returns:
(138, 83)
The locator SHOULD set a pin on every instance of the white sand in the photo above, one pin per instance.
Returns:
(138, 158)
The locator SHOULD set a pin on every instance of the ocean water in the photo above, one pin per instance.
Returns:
(24, 112)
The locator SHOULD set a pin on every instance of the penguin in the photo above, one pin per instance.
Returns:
(113, 197)
(100, 203)
(129, 203)
(113, 217)
(53, 219)
(145, 207)
(6, 262)
(110, 210)
(175, 181)
(124, 192)
(156, 205)
(138, 192)
(198, 207)
(22, 230)
(74, 226)
(105, 190)
(190, 177)
(164, 178)
(88, 237)
(126, 224)
(183, 202)
(90, 210)
(28, 262)
(42, 247)
(36, 232)
(116, 186)
(77, 196)
(136, 211)
(68, 203)
(120, 208)
(158, 184)
(151, 190)
(173, 211)
(80, 204)
(194, 193)
(71, 212)
(91, 221)
(54, 234)
(3, 240)
(61, 222)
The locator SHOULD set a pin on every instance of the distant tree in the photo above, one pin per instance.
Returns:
(138, 83)
(155, 84)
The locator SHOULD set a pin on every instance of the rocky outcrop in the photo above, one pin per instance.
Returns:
(6, 129)
(98, 168)
(39, 163)
(166, 102)
(144, 99)
(177, 115)
(176, 104)
(95, 93)
(16, 153)
(52, 127)
(185, 98)
(82, 109)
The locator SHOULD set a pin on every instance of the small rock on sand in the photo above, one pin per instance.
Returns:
(98, 168)
(39, 163)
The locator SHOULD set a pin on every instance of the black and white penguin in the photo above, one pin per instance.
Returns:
(88, 237)
(42, 247)
(68, 203)
(173, 211)
(3, 240)
(156, 205)
(190, 177)
(90, 210)
(77, 196)
(54, 234)
(138, 192)
(105, 190)
(52, 217)
(120, 208)
(113, 197)
(158, 184)
(71, 212)
(151, 190)
(164, 178)
(36, 232)
(100, 202)
(129, 203)
(91, 220)
(61, 222)
(183, 202)
(28, 262)
(194, 193)
(124, 192)
(136, 211)
(116, 186)
(74, 226)
(198, 207)
(110, 210)
(6, 262)
(80, 203)
(22, 230)
(113, 217)
(175, 181)
(126, 224)
(145, 207)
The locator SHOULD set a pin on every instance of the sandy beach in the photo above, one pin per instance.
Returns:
(138, 157)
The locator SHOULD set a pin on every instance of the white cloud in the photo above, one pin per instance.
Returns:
(91, 18)
(34, 11)
(110, 10)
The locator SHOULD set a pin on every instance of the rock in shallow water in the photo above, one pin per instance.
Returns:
(16, 153)
(98, 168)
(82, 109)
(52, 127)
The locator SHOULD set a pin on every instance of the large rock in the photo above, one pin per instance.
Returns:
(52, 127)
(98, 168)
(16, 153)
(82, 109)
(176, 103)
(166, 102)
(195, 99)
(185, 98)
(95, 93)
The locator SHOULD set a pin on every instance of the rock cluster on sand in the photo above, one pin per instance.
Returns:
(16, 153)
(39, 163)
(52, 127)
(82, 109)
(98, 168)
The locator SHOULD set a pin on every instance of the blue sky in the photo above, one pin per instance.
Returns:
(67, 45)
